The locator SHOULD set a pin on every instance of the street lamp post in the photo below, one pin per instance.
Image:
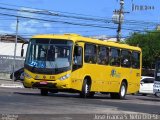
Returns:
(15, 49)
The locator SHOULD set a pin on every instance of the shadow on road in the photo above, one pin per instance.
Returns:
(71, 95)
(149, 99)
(131, 103)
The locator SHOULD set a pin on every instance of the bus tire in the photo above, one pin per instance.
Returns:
(44, 92)
(91, 94)
(53, 91)
(86, 89)
(122, 92)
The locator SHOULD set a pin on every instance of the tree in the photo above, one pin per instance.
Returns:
(149, 43)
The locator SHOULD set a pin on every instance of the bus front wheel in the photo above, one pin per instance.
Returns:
(44, 92)
(86, 89)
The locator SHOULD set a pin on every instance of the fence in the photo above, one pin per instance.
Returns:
(6, 65)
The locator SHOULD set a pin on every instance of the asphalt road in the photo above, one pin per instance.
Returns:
(28, 104)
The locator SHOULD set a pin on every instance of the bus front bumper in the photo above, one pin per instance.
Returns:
(46, 84)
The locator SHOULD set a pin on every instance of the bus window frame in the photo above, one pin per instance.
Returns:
(130, 60)
(139, 60)
(95, 52)
(111, 58)
(107, 54)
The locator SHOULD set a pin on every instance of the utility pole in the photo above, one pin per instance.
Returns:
(15, 49)
(120, 20)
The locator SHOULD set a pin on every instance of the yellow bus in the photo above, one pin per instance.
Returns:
(73, 63)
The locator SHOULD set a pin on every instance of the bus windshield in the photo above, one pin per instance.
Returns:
(49, 54)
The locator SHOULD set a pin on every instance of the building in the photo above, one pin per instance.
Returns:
(11, 38)
(7, 47)
(7, 44)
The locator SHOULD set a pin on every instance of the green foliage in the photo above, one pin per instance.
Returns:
(149, 43)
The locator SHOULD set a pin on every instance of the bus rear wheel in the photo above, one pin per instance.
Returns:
(44, 92)
(122, 92)
(53, 91)
(86, 90)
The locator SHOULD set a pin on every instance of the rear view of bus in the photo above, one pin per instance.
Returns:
(156, 86)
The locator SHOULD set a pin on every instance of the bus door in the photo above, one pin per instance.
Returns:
(77, 67)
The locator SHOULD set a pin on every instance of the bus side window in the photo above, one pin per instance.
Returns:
(114, 57)
(78, 56)
(90, 53)
(136, 60)
(125, 58)
(103, 55)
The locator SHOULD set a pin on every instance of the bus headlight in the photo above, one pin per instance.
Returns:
(27, 75)
(64, 77)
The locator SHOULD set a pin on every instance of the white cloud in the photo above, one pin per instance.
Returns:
(30, 26)
(25, 26)
(47, 25)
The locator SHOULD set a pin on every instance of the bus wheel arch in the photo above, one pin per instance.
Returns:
(86, 87)
(122, 90)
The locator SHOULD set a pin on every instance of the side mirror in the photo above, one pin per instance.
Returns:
(22, 52)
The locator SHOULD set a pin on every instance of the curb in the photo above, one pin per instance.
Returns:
(11, 85)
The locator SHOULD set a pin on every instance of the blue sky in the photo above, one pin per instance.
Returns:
(98, 8)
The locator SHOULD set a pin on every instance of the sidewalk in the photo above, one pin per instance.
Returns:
(8, 83)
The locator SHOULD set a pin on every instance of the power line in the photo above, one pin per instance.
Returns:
(65, 22)
(77, 17)
(102, 26)
(47, 14)
(50, 10)
(28, 11)
(57, 14)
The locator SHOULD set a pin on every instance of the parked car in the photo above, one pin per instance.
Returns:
(146, 85)
(18, 75)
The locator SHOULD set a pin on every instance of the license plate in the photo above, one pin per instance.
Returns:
(43, 83)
